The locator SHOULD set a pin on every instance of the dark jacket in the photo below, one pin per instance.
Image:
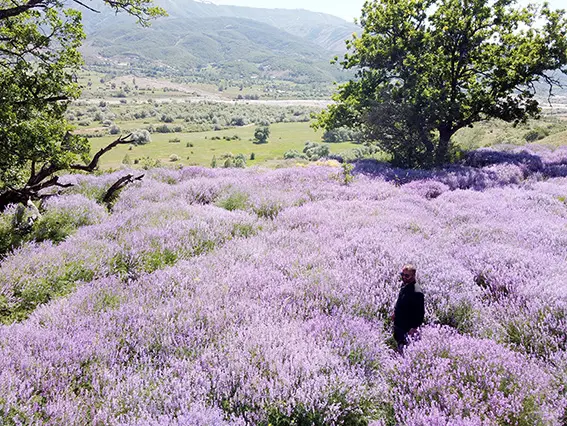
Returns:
(409, 311)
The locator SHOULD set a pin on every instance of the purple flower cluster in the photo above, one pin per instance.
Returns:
(447, 379)
(76, 209)
(129, 243)
(483, 168)
(238, 297)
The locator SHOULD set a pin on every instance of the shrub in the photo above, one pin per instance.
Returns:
(261, 134)
(162, 128)
(62, 216)
(240, 161)
(141, 137)
(238, 121)
(314, 151)
(536, 134)
(235, 201)
(231, 160)
(293, 153)
(470, 379)
(268, 210)
(149, 163)
(10, 236)
(347, 176)
(342, 134)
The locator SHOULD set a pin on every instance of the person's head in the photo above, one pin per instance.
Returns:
(408, 274)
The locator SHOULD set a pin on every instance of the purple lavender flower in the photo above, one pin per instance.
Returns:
(182, 308)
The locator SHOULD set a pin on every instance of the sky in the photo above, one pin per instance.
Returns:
(346, 9)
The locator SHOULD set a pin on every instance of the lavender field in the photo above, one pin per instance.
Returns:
(258, 297)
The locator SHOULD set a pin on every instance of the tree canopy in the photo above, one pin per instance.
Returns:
(39, 59)
(427, 68)
(261, 134)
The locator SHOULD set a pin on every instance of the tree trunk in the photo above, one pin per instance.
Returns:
(11, 196)
(442, 154)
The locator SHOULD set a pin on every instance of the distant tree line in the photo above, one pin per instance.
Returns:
(185, 117)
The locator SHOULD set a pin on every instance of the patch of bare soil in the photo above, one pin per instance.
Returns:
(152, 83)
(88, 130)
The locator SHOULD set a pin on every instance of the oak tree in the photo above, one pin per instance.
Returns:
(39, 60)
(261, 134)
(427, 68)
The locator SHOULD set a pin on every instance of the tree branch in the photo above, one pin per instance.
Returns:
(86, 7)
(117, 186)
(17, 10)
(54, 181)
(94, 162)
(551, 82)
(37, 181)
(45, 171)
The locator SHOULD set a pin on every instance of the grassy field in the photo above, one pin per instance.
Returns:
(286, 136)
(283, 137)
(198, 148)
(132, 103)
(549, 131)
(97, 85)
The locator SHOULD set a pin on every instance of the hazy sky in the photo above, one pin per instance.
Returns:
(347, 9)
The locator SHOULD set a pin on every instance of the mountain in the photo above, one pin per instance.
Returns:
(327, 31)
(233, 41)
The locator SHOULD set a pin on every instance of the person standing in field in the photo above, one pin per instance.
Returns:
(409, 309)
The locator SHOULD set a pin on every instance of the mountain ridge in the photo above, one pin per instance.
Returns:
(236, 41)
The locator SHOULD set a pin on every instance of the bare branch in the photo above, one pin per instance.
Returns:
(45, 171)
(54, 181)
(37, 181)
(94, 162)
(48, 99)
(551, 82)
(86, 7)
(17, 10)
(117, 186)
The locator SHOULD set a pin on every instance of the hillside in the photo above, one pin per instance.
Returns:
(325, 30)
(232, 46)
(255, 297)
(226, 41)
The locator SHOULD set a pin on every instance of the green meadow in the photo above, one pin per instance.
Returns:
(198, 148)
(283, 137)
(96, 85)
(184, 132)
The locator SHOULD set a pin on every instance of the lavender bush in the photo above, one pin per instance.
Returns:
(482, 383)
(240, 297)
